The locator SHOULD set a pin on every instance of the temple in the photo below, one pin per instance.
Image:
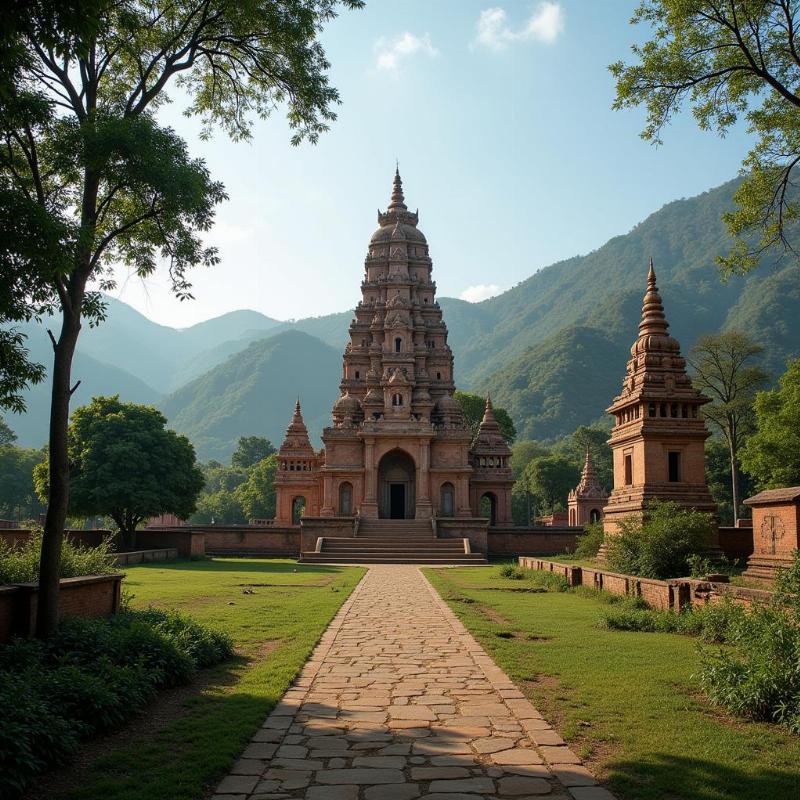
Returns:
(398, 447)
(585, 502)
(658, 439)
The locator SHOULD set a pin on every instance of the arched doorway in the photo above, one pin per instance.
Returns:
(595, 516)
(346, 499)
(488, 507)
(396, 479)
(298, 509)
(447, 500)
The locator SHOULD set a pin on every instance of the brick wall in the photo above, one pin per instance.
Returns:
(189, 542)
(664, 595)
(256, 540)
(736, 543)
(89, 596)
(543, 540)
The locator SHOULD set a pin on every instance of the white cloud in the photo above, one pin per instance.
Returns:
(482, 291)
(390, 53)
(545, 24)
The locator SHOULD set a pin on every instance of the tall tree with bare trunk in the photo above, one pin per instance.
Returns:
(723, 369)
(85, 162)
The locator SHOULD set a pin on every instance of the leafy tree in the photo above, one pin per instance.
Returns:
(17, 494)
(550, 479)
(7, 436)
(221, 507)
(723, 370)
(718, 477)
(257, 495)
(523, 452)
(772, 454)
(250, 450)
(127, 465)
(86, 168)
(473, 406)
(727, 59)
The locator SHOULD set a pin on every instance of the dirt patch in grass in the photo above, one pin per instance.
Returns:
(494, 616)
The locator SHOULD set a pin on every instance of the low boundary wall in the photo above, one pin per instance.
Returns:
(532, 541)
(670, 595)
(144, 556)
(88, 596)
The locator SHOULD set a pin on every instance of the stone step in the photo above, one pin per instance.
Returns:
(472, 559)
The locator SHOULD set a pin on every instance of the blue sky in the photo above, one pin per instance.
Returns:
(500, 116)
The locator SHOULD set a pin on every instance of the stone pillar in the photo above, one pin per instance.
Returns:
(462, 497)
(369, 505)
(327, 496)
(424, 507)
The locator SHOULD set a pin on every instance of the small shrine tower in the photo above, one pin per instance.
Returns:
(296, 482)
(658, 439)
(585, 502)
(492, 478)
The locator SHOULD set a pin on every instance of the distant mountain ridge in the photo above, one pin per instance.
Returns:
(552, 350)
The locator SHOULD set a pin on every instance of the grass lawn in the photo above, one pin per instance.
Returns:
(274, 631)
(626, 702)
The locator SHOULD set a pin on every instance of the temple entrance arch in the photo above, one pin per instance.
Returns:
(488, 507)
(396, 481)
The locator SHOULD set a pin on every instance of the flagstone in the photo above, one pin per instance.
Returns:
(399, 702)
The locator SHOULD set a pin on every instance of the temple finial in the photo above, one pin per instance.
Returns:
(653, 317)
(397, 201)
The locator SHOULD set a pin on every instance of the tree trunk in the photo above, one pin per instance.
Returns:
(50, 560)
(734, 481)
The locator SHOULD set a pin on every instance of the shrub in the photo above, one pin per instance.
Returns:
(91, 676)
(551, 581)
(589, 544)
(513, 572)
(659, 544)
(760, 676)
(20, 564)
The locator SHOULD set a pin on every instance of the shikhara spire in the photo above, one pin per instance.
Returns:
(589, 479)
(653, 318)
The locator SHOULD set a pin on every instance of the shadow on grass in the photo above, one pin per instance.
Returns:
(689, 778)
(264, 565)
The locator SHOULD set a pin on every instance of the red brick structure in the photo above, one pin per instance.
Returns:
(658, 439)
(398, 447)
(585, 502)
(776, 531)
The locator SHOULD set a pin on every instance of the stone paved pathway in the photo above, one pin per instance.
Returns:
(399, 701)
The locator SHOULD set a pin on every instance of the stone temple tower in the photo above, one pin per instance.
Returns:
(398, 446)
(658, 439)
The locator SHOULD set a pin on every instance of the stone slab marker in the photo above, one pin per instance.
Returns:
(398, 702)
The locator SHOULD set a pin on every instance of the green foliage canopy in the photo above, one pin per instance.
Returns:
(727, 59)
(659, 544)
(772, 454)
(256, 495)
(126, 464)
(250, 450)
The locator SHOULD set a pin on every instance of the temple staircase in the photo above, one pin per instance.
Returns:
(393, 541)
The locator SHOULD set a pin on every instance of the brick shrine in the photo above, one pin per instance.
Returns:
(659, 434)
(776, 531)
(586, 501)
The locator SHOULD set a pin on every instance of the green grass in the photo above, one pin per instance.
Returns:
(274, 631)
(627, 702)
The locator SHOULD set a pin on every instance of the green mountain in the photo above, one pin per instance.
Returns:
(552, 350)
(254, 392)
